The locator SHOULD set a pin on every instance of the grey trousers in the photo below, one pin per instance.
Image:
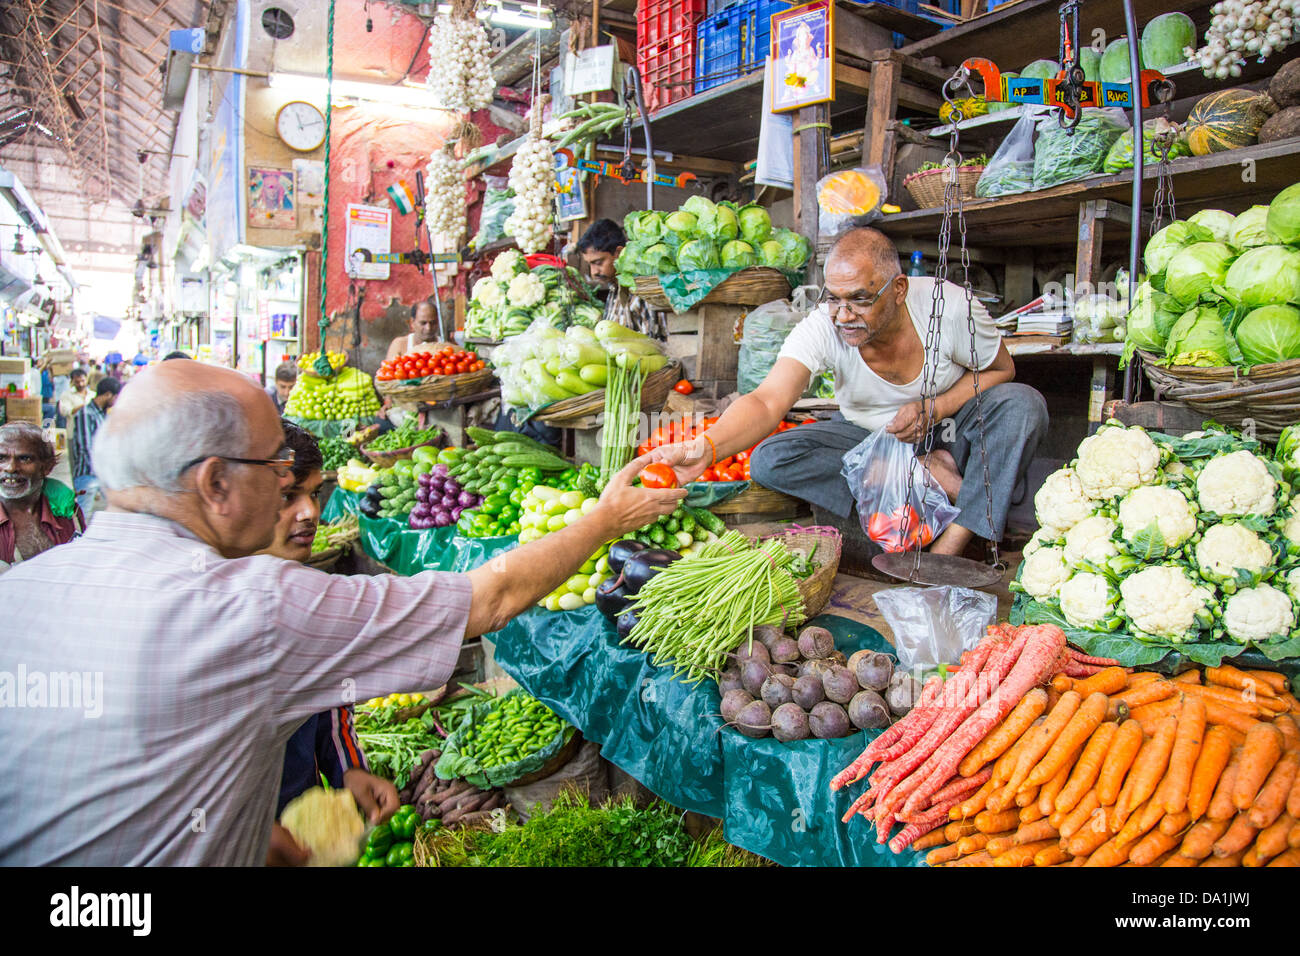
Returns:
(805, 462)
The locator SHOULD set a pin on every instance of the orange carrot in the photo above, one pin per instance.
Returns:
(1139, 822)
(1289, 858)
(944, 854)
(1109, 852)
(1006, 733)
(1269, 803)
(1226, 696)
(1270, 842)
(974, 804)
(1137, 678)
(1127, 743)
(1210, 762)
(1051, 856)
(1151, 847)
(1199, 841)
(1087, 718)
(1175, 824)
(1177, 859)
(1262, 750)
(1232, 860)
(1086, 768)
(975, 859)
(1052, 789)
(1293, 836)
(1039, 739)
(1061, 683)
(1290, 731)
(1111, 680)
(1006, 764)
(1032, 813)
(1272, 705)
(1218, 713)
(1146, 693)
(1001, 799)
(955, 831)
(974, 843)
(1237, 837)
(1192, 676)
(1033, 832)
(999, 845)
(1293, 799)
(1229, 676)
(990, 822)
(928, 841)
(1182, 759)
(1273, 679)
(1221, 807)
(1023, 855)
(1027, 797)
(1153, 712)
(1148, 767)
(1077, 818)
(1293, 705)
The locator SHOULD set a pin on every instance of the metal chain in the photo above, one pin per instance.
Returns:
(325, 198)
(1163, 211)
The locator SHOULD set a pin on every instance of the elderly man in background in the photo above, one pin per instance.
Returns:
(212, 655)
(424, 333)
(36, 512)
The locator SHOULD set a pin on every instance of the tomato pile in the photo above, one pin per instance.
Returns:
(733, 468)
(446, 361)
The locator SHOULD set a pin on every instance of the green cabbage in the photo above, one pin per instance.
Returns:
(1250, 229)
(659, 258)
(1152, 316)
(1195, 269)
(1270, 334)
(643, 224)
(698, 254)
(796, 248)
(1162, 246)
(1219, 223)
(1284, 214)
(738, 254)
(773, 254)
(755, 224)
(1198, 338)
(631, 260)
(698, 206)
(683, 224)
(1264, 275)
(722, 225)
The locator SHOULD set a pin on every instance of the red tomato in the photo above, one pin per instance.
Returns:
(658, 475)
(744, 470)
(643, 449)
(683, 387)
(710, 474)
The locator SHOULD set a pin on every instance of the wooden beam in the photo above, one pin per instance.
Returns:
(879, 140)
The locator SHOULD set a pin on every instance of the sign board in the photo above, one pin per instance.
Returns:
(591, 71)
(187, 41)
(369, 229)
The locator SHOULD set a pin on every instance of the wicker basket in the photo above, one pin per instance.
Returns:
(386, 459)
(567, 412)
(436, 388)
(756, 500)
(816, 588)
(927, 187)
(325, 560)
(1269, 395)
(753, 286)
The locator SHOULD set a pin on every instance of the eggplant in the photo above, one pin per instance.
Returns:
(640, 568)
(620, 551)
(611, 599)
(369, 508)
(626, 621)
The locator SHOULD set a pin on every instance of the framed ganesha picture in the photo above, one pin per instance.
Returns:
(803, 50)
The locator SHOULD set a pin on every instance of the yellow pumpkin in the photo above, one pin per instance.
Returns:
(849, 193)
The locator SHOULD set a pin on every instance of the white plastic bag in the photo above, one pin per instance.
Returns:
(1011, 170)
(901, 507)
(933, 626)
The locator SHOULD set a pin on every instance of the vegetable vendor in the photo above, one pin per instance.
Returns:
(208, 656)
(599, 247)
(327, 743)
(36, 512)
(423, 335)
(869, 329)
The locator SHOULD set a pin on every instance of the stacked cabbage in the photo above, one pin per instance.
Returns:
(1222, 290)
(707, 235)
(1148, 541)
(507, 301)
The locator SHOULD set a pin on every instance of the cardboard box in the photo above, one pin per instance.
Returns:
(23, 410)
(14, 365)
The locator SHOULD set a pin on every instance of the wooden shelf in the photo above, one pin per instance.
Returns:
(1069, 350)
(1048, 217)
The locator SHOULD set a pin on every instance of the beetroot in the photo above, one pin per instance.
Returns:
(868, 711)
(784, 651)
(828, 720)
(765, 634)
(789, 722)
(789, 670)
(733, 702)
(816, 642)
(729, 679)
(840, 685)
(837, 657)
(815, 668)
(751, 651)
(807, 691)
(752, 675)
(776, 690)
(874, 671)
(857, 656)
(902, 693)
(754, 719)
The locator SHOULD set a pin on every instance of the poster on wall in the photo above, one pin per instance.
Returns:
(369, 233)
(803, 47)
(570, 198)
(309, 177)
(271, 198)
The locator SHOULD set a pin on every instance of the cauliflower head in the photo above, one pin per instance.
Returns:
(1090, 541)
(1293, 582)
(1164, 508)
(1258, 614)
(1061, 504)
(489, 293)
(1225, 548)
(1040, 539)
(1043, 573)
(1237, 484)
(526, 291)
(1162, 600)
(328, 823)
(1087, 600)
(1291, 523)
(508, 264)
(1116, 460)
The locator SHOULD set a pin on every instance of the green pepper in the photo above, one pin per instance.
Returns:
(381, 838)
(507, 483)
(530, 474)
(431, 824)
(399, 853)
(404, 822)
(493, 504)
(377, 861)
(517, 496)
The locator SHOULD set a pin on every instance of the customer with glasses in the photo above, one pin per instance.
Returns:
(198, 657)
(870, 330)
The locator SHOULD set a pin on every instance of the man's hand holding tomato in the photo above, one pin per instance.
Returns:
(688, 459)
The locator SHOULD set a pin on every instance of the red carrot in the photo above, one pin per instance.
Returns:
(910, 833)
(916, 722)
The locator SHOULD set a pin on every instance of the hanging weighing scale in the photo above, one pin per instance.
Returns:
(1069, 92)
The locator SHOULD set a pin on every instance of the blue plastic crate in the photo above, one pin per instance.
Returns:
(760, 28)
(720, 47)
(717, 6)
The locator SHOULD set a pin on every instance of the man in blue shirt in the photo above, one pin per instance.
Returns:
(81, 437)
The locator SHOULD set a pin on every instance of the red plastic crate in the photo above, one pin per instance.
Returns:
(667, 69)
(658, 20)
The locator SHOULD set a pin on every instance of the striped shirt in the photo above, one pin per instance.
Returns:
(191, 673)
(81, 435)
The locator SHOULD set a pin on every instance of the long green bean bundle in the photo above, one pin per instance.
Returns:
(696, 611)
(622, 414)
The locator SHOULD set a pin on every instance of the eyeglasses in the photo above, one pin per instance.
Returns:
(858, 305)
(281, 466)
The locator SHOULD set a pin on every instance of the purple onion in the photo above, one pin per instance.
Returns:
(422, 496)
(466, 500)
(449, 501)
(455, 513)
(451, 487)
(439, 470)
(441, 519)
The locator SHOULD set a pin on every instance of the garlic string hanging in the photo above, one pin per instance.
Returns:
(460, 61)
(445, 197)
(532, 177)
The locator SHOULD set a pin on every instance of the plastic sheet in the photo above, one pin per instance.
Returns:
(773, 798)
(933, 626)
(900, 505)
(706, 494)
(685, 289)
